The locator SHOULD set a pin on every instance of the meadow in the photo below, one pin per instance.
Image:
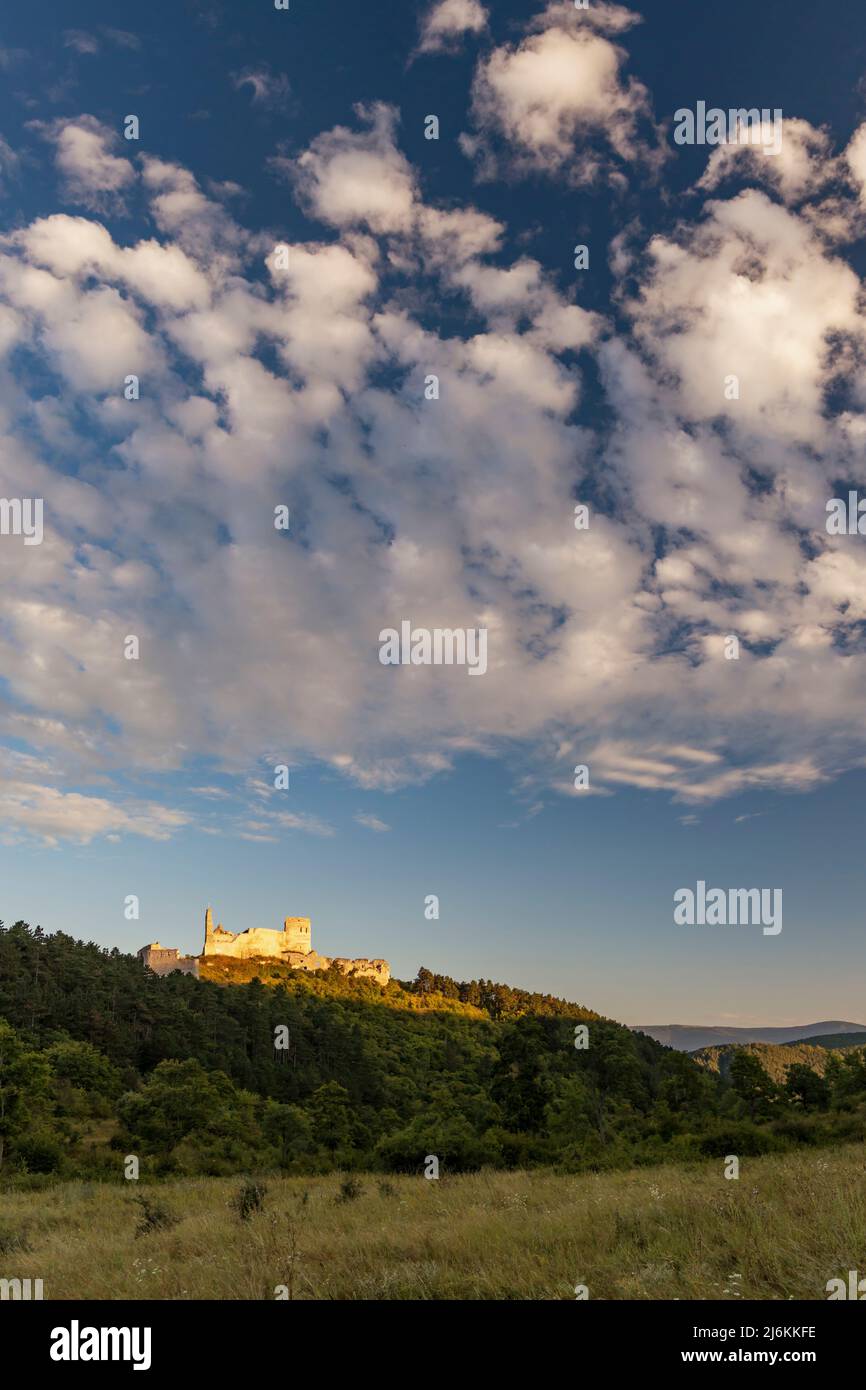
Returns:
(786, 1226)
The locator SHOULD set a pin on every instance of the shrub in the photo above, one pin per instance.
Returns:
(154, 1216)
(350, 1189)
(249, 1198)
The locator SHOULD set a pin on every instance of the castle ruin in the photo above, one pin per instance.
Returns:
(162, 960)
(293, 946)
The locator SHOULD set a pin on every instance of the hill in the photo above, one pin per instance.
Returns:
(775, 1058)
(690, 1037)
(839, 1042)
(258, 1068)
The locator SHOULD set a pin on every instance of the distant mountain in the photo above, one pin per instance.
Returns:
(687, 1037)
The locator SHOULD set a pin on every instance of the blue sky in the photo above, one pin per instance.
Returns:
(263, 386)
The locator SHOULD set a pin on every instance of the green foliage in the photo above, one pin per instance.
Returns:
(199, 1120)
(805, 1086)
(100, 1058)
(24, 1082)
(752, 1084)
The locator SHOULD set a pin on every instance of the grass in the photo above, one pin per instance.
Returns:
(781, 1231)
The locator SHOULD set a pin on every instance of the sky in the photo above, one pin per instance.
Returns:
(231, 261)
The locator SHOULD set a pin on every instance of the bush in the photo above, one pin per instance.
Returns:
(248, 1199)
(13, 1242)
(744, 1139)
(39, 1152)
(154, 1216)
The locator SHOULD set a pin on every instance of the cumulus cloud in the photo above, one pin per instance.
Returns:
(747, 290)
(92, 175)
(348, 178)
(559, 103)
(302, 380)
(444, 25)
(802, 166)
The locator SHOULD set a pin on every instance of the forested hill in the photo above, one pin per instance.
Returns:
(100, 1058)
(775, 1058)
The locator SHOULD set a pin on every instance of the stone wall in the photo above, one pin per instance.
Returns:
(163, 960)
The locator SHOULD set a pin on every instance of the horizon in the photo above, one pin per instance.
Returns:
(388, 548)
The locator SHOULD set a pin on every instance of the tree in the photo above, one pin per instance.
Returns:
(806, 1087)
(24, 1080)
(520, 1085)
(330, 1114)
(751, 1084)
(182, 1104)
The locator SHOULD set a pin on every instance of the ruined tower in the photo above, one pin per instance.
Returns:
(296, 931)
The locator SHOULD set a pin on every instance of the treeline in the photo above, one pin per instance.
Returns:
(499, 1001)
(101, 1060)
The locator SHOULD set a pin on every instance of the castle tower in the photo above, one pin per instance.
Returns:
(296, 933)
(208, 923)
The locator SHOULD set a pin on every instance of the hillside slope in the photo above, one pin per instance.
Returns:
(775, 1058)
(839, 1042)
(257, 1065)
(261, 1068)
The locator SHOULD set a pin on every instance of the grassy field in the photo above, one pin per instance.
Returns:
(781, 1231)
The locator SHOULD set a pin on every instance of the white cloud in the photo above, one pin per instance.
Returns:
(357, 179)
(91, 174)
(31, 810)
(300, 820)
(122, 38)
(9, 163)
(268, 89)
(78, 247)
(801, 168)
(81, 41)
(201, 225)
(748, 291)
(371, 822)
(304, 387)
(446, 22)
(557, 102)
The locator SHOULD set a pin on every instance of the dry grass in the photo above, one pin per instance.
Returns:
(787, 1226)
